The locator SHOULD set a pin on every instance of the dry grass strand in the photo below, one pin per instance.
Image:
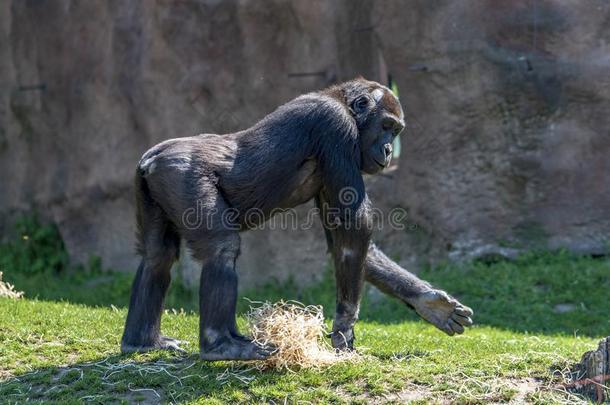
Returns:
(8, 290)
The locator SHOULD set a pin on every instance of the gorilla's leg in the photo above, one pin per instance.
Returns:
(433, 305)
(218, 335)
(159, 248)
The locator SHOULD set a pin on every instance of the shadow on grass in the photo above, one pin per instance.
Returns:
(154, 378)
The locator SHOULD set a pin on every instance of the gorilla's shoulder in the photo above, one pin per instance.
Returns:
(320, 103)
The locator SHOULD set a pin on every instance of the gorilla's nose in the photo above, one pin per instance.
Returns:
(388, 149)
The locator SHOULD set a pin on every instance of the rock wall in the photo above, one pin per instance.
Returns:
(511, 106)
(507, 106)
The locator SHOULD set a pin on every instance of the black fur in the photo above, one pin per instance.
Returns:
(314, 146)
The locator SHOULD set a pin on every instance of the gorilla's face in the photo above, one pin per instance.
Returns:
(380, 119)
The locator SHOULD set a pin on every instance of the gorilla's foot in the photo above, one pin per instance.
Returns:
(163, 343)
(235, 348)
(443, 311)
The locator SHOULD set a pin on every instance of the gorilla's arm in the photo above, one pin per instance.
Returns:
(349, 250)
(433, 305)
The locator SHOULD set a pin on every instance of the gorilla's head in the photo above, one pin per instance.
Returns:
(379, 118)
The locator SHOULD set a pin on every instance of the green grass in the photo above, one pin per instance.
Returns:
(54, 350)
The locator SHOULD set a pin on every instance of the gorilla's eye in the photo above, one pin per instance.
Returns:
(360, 104)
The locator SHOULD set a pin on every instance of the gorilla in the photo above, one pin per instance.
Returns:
(313, 147)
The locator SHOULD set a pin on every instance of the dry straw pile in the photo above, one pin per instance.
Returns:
(8, 290)
(298, 332)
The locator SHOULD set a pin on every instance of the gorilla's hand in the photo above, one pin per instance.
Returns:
(443, 311)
